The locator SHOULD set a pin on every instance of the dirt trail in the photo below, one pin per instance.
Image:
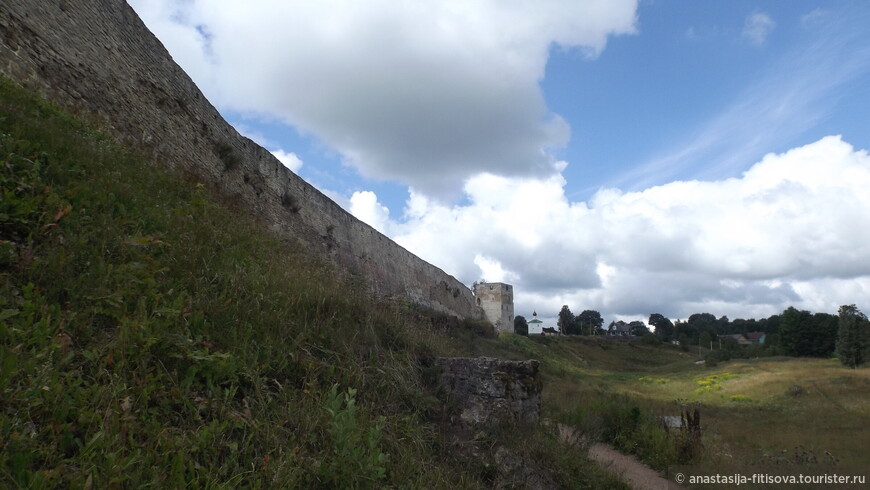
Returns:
(636, 474)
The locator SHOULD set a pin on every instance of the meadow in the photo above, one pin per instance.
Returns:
(777, 411)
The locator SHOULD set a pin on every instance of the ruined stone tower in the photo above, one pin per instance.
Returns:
(497, 301)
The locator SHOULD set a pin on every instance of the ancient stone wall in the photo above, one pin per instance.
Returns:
(492, 392)
(97, 58)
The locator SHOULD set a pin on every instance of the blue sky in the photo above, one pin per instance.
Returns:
(660, 156)
(692, 68)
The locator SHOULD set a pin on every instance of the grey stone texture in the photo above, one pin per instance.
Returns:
(98, 59)
(497, 301)
(492, 393)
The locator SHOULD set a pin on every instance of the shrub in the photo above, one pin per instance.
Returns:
(356, 459)
(228, 155)
(650, 339)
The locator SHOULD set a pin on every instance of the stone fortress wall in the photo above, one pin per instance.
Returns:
(97, 58)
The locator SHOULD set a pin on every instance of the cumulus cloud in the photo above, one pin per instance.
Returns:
(427, 93)
(794, 229)
(365, 207)
(289, 160)
(757, 27)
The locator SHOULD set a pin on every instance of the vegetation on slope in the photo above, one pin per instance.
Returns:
(151, 336)
(792, 413)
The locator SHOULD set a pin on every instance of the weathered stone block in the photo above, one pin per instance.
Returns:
(492, 392)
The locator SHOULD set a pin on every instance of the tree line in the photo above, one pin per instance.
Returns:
(794, 332)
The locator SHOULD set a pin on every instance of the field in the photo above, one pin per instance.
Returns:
(769, 411)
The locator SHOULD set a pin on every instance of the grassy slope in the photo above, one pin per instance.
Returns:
(150, 336)
(759, 411)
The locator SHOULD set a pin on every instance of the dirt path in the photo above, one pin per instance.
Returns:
(636, 474)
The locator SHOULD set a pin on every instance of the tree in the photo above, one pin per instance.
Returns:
(804, 334)
(637, 328)
(825, 328)
(705, 340)
(795, 331)
(852, 336)
(566, 320)
(589, 322)
(703, 322)
(664, 327)
(521, 326)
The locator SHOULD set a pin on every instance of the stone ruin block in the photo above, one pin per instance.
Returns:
(492, 392)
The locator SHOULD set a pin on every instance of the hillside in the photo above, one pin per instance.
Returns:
(96, 58)
(153, 334)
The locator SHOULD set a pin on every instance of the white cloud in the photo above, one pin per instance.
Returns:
(365, 206)
(792, 230)
(445, 97)
(427, 93)
(757, 27)
(289, 160)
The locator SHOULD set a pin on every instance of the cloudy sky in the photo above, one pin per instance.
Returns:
(625, 156)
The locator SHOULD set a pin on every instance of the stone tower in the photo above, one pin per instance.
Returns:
(497, 301)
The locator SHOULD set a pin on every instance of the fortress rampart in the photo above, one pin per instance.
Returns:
(97, 58)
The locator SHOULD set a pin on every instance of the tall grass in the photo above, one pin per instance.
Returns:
(792, 411)
(151, 336)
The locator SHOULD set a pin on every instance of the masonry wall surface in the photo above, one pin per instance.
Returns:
(497, 301)
(493, 392)
(97, 58)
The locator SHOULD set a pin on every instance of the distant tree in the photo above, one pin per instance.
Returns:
(705, 340)
(664, 329)
(825, 328)
(651, 339)
(722, 325)
(521, 326)
(638, 328)
(684, 342)
(852, 336)
(685, 332)
(796, 332)
(589, 322)
(702, 320)
(772, 344)
(744, 326)
(730, 346)
(566, 321)
(770, 325)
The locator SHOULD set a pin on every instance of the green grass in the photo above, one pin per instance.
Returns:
(152, 336)
(753, 411)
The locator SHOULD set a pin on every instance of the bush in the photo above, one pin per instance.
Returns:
(620, 421)
(650, 339)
